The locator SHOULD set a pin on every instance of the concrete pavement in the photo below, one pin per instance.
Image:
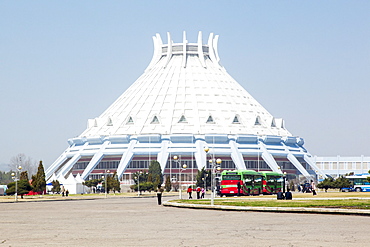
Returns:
(120, 221)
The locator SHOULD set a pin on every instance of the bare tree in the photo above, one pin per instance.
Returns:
(26, 163)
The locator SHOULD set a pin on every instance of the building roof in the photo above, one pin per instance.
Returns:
(185, 90)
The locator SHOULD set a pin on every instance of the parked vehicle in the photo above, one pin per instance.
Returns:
(250, 182)
(359, 183)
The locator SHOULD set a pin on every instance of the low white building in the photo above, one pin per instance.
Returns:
(341, 165)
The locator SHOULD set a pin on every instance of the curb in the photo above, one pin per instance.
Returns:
(300, 210)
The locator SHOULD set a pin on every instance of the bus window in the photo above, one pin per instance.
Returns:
(257, 179)
(231, 177)
(248, 180)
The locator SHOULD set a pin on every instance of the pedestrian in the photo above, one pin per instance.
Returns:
(159, 194)
(313, 188)
(238, 188)
(67, 192)
(203, 192)
(190, 191)
(288, 195)
(198, 192)
(62, 190)
(280, 195)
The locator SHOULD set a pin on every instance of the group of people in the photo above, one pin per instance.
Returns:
(200, 192)
(287, 195)
(308, 188)
(63, 191)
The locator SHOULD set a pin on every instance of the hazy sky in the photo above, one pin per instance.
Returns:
(63, 62)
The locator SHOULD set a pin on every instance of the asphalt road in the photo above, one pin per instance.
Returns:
(141, 222)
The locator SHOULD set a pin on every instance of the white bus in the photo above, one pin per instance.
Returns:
(359, 183)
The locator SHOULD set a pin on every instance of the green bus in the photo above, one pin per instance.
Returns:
(272, 182)
(241, 182)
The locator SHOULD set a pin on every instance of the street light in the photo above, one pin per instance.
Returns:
(138, 182)
(15, 177)
(177, 159)
(282, 181)
(184, 166)
(215, 166)
(106, 178)
(205, 180)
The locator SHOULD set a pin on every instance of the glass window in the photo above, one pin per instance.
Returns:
(210, 119)
(231, 177)
(183, 119)
(236, 120)
(155, 120)
(130, 120)
(258, 121)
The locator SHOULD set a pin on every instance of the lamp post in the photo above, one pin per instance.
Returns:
(15, 177)
(284, 185)
(205, 180)
(105, 188)
(177, 159)
(184, 168)
(215, 166)
(283, 181)
(138, 182)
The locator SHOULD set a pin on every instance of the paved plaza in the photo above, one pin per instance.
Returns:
(126, 221)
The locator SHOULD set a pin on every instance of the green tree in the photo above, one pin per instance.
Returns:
(92, 183)
(113, 183)
(38, 181)
(23, 187)
(167, 184)
(145, 186)
(326, 184)
(203, 174)
(155, 170)
(146, 183)
(342, 182)
(157, 182)
(23, 176)
(56, 186)
(368, 178)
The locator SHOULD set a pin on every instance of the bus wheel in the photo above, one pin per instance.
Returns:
(358, 189)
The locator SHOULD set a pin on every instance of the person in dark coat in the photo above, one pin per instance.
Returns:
(239, 188)
(288, 195)
(159, 194)
(280, 195)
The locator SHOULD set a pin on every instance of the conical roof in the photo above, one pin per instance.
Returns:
(185, 89)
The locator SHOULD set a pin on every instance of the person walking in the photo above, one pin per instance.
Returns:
(198, 192)
(190, 191)
(313, 188)
(203, 192)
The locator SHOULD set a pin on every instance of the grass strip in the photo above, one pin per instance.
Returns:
(349, 203)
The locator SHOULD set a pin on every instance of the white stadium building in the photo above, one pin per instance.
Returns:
(183, 102)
